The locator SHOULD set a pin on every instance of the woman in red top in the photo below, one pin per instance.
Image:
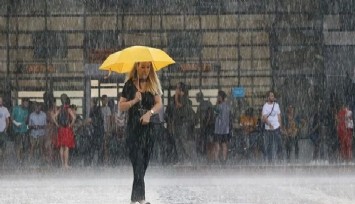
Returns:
(344, 133)
(64, 119)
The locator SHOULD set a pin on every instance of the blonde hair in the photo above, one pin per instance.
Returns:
(153, 83)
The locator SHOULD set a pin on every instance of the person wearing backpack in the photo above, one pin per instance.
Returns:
(64, 120)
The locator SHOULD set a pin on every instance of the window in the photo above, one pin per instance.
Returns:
(209, 6)
(101, 39)
(29, 6)
(187, 44)
(99, 44)
(50, 44)
(102, 5)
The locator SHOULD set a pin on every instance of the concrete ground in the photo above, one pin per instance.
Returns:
(182, 184)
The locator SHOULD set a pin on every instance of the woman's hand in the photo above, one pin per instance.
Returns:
(145, 118)
(138, 97)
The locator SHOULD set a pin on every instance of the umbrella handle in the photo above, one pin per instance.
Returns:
(109, 74)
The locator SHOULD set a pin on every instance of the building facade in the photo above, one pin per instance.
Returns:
(303, 49)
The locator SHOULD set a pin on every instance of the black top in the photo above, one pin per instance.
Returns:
(147, 103)
(97, 119)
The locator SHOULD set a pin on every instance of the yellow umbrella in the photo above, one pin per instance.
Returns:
(124, 60)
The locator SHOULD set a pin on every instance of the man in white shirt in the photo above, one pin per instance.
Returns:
(271, 116)
(4, 124)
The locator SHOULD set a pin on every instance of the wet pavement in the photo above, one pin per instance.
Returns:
(182, 184)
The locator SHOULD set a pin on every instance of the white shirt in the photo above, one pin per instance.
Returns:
(38, 119)
(273, 117)
(4, 114)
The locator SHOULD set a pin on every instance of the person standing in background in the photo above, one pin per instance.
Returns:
(4, 124)
(203, 118)
(19, 116)
(344, 130)
(291, 129)
(248, 124)
(97, 122)
(315, 133)
(271, 116)
(51, 135)
(222, 128)
(65, 119)
(183, 124)
(37, 124)
(107, 118)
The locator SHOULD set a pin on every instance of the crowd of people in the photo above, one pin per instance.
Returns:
(51, 135)
(268, 136)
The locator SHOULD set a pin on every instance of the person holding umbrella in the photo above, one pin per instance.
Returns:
(141, 97)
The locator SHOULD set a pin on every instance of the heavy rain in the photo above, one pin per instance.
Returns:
(195, 101)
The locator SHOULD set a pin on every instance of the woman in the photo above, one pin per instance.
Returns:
(96, 140)
(222, 128)
(141, 97)
(344, 129)
(64, 120)
(52, 134)
(290, 131)
(248, 124)
(183, 123)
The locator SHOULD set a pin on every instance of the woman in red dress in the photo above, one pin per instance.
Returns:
(344, 130)
(64, 119)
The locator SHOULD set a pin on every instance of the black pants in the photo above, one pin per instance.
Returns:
(140, 148)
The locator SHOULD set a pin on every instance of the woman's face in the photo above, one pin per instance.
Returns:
(143, 69)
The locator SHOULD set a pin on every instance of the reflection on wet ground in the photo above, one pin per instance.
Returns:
(183, 184)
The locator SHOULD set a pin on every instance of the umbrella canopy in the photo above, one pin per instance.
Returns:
(124, 60)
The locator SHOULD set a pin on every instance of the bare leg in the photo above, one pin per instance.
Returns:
(224, 151)
(30, 156)
(216, 151)
(66, 157)
(61, 153)
(45, 150)
(106, 153)
(210, 153)
(19, 154)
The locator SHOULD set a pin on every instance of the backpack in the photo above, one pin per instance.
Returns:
(63, 117)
